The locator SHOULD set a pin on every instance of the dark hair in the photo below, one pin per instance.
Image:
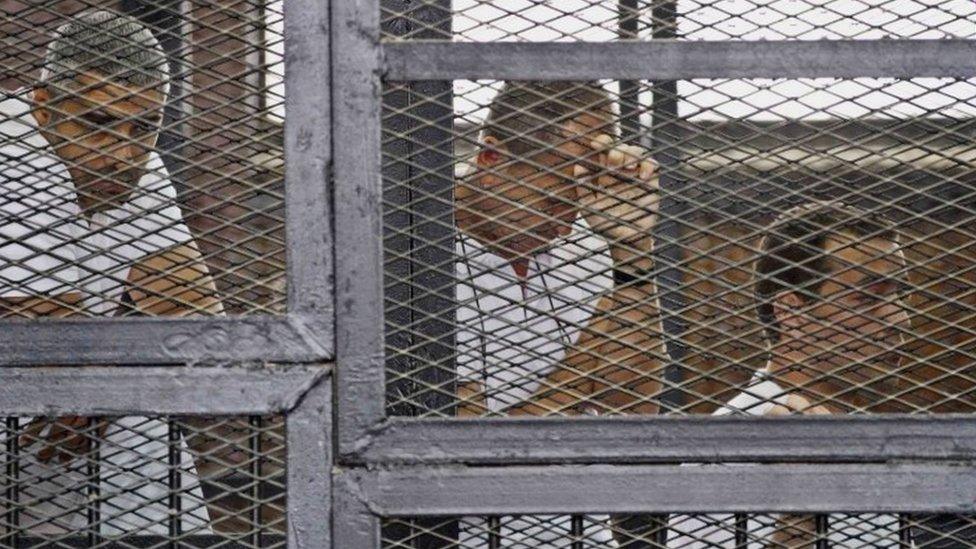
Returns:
(523, 114)
(792, 251)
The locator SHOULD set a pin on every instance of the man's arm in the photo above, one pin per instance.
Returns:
(616, 364)
(174, 282)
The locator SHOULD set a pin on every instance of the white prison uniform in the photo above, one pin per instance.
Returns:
(94, 258)
(513, 333)
(718, 530)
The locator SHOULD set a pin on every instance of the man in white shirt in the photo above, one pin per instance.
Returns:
(558, 309)
(558, 312)
(89, 210)
(830, 283)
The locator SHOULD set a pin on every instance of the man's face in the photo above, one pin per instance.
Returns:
(859, 320)
(103, 134)
(523, 204)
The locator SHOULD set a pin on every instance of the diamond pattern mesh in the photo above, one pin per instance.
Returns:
(601, 20)
(617, 248)
(143, 482)
(143, 158)
(679, 531)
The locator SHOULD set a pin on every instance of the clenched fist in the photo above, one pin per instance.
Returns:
(618, 195)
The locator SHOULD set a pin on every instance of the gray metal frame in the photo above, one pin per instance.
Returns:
(125, 360)
(366, 435)
(302, 394)
(404, 467)
(305, 333)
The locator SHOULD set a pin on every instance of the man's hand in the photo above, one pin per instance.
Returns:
(66, 437)
(796, 531)
(471, 400)
(797, 404)
(619, 198)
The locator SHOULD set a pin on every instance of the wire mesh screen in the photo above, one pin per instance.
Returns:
(682, 531)
(607, 20)
(143, 158)
(143, 482)
(709, 246)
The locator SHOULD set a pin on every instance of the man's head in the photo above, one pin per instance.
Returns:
(829, 287)
(534, 133)
(99, 103)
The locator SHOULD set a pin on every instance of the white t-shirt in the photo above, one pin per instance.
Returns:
(46, 248)
(512, 333)
(717, 531)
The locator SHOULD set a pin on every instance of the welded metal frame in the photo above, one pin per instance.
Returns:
(222, 366)
(302, 394)
(367, 435)
(405, 467)
(305, 334)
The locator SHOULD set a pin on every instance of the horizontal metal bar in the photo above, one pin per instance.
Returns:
(678, 60)
(192, 541)
(652, 439)
(158, 341)
(854, 488)
(54, 391)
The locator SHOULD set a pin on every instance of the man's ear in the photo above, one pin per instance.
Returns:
(492, 152)
(41, 113)
(786, 309)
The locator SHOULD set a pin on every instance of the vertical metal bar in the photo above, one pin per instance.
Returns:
(576, 531)
(418, 192)
(741, 531)
(309, 442)
(254, 445)
(93, 471)
(636, 527)
(13, 481)
(174, 481)
(664, 20)
(904, 531)
(823, 529)
(359, 267)
(660, 531)
(494, 532)
(308, 158)
(355, 527)
(628, 28)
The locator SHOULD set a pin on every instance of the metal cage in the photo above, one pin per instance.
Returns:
(253, 390)
(413, 476)
(370, 81)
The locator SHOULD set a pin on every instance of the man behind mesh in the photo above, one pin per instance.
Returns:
(829, 290)
(558, 308)
(82, 182)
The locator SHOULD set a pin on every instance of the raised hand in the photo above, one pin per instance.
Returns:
(619, 196)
